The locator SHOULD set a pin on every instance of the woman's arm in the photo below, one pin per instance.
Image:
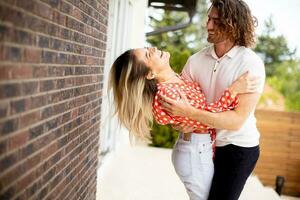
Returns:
(226, 102)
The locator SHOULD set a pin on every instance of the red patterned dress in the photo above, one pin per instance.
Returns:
(196, 98)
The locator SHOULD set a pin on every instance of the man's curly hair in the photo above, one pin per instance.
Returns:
(236, 21)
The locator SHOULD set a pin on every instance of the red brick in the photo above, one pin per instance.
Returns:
(3, 147)
(36, 24)
(25, 181)
(66, 8)
(13, 173)
(4, 109)
(47, 85)
(12, 54)
(77, 14)
(50, 150)
(18, 140)
(43, 41)
(34, 161)
(8, 193)
(40, 71)
(5, 71)
(48, 57)
(43, 10)
(8, 161)
(30, 118)
(23, 37)
(10, 15)
(4, 30)
(27, 5)
(52, 3)
(59, 18)
(21, 72)
(17, 106)
(8, 126)
(38, 101)
(32, 55)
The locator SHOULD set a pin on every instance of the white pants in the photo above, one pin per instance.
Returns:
(193, 163)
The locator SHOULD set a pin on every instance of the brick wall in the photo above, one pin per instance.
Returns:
(51, 67)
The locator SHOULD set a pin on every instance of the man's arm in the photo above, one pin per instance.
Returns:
(230, 120)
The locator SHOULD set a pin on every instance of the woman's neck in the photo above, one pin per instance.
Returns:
(167, 76)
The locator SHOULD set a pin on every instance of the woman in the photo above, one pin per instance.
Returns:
(138, 77)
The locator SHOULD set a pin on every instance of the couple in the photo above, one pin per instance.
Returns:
(219, 143)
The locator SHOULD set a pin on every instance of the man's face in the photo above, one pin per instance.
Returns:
(215, 33)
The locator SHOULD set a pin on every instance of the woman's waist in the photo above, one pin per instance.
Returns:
(204, 131)
(196, 137)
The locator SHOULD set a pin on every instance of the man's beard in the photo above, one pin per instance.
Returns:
(217, 37)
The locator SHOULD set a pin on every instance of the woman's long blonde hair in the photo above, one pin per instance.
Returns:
(133, 94)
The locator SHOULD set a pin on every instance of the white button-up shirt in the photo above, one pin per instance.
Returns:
(216, 74)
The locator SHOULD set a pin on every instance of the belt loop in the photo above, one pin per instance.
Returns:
(187, 136)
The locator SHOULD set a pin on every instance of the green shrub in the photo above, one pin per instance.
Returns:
(163, 136)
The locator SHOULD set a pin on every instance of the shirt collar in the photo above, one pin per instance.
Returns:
(231, 53)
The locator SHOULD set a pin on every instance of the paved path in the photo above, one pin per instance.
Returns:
(146, 173)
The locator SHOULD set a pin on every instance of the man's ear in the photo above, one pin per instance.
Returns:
(150, 75)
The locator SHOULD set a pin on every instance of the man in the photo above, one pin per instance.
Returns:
(230, 28)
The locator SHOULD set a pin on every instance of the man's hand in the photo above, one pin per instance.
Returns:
(179, 107)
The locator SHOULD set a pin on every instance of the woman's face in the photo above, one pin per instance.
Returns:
(155, 59)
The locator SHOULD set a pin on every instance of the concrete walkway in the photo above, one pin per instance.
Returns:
(146, 173)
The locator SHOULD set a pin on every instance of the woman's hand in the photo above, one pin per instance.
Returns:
(183, 128)
(244, 84)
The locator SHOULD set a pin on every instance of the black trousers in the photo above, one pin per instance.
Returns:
(233, 165)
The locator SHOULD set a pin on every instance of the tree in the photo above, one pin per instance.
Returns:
(273, 49)
(191, 38)
(282, 66)
(286, 81)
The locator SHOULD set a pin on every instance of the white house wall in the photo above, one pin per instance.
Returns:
(126, 30)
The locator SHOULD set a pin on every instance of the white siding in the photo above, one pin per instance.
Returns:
(126, 30)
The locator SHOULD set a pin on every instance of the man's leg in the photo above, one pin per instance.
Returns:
(233, 165)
